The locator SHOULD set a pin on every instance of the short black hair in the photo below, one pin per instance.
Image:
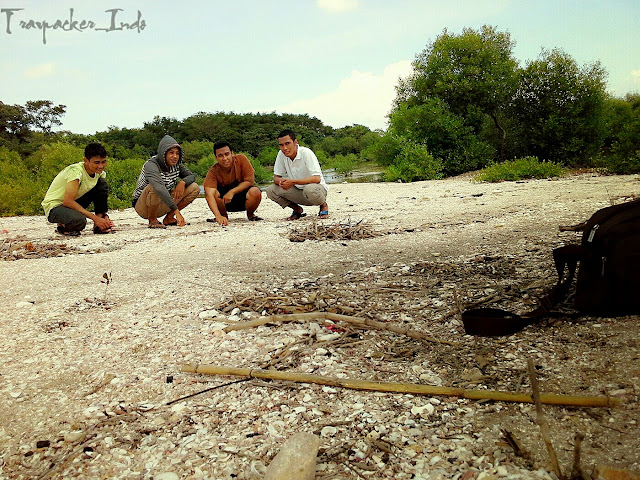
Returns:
(94, 150)
(221, 144)
(286, 132)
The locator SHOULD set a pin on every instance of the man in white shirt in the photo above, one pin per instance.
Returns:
(297, 178)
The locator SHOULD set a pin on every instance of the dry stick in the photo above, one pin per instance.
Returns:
(206, 390)
(576, 472)
(358, 321)
(542, 421)
(418, 389)
(362, 322)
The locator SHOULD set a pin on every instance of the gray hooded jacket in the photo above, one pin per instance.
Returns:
(162, 177)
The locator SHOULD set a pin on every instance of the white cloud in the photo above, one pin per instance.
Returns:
(363, 98)
(635, 74)
(40, 71)
(337, 5)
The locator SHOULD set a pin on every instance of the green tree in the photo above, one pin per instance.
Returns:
(472, 75)
(622, 143)
(559, 108)
(43, 115)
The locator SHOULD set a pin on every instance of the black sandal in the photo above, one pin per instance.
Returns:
(296, 215)
(68, 233)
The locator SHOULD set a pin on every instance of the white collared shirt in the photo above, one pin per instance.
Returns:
(304, 165)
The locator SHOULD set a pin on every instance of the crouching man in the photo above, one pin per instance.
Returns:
(229, 187)
(297, 178)
(165, 186)
(75, 188)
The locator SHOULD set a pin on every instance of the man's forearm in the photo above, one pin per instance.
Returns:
(306, 180)
(209, 195)
(79, 208)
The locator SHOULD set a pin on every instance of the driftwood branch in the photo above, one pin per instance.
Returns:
(542, 421)
(418, 389)
(359, 322)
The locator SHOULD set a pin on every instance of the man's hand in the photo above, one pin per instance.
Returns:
(224, 221)
(103, 223)
(227, 197)
(178, 192)
(286, 183)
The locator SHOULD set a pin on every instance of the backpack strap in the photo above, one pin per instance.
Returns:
(496, 322)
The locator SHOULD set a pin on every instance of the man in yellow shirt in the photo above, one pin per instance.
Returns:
(74, 189)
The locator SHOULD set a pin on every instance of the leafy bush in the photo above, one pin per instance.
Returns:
(195, 151)
(385, 150)
(122, 176)
(49, 159)
(342, 163)
(21, 193)
(322, 157)
(202, 166)
(413, 163)
(262, 174)
(267, 156)
(518, 169)
(623, 165)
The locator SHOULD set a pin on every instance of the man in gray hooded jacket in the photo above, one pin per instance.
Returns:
(165, 186)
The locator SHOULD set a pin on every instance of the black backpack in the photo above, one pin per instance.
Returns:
(607, 282)
(607, 285)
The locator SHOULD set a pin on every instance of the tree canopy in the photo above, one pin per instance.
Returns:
(470, 103)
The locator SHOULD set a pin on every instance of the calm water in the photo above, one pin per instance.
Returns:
(331, 176)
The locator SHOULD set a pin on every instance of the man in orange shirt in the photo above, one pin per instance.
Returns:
(228, 186)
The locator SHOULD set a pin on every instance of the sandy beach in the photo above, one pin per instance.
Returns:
(88, 367)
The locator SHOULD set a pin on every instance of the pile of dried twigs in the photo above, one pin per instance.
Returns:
(16, 249)
(337, 231)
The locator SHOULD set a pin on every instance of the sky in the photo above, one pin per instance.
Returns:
(337, 60)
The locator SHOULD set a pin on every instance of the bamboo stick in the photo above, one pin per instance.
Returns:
(417, 389)
(542, 421)
(357, 321)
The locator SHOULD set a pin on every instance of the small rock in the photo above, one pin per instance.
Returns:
(43, 443)
(328, 431)
(423, 411)
(75, 436)
(166, 476)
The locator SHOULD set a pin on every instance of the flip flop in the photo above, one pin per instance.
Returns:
(323, 214)
(67, 233)
(296, 215)
(255, 218)
(171, 224)
(157, 225)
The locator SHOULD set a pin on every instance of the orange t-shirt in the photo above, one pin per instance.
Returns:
(241, 171)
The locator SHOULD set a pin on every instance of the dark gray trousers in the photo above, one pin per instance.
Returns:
(74, 221)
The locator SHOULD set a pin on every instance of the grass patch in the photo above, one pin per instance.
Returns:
(519, 169)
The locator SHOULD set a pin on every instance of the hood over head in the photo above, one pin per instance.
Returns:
(165, 144)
